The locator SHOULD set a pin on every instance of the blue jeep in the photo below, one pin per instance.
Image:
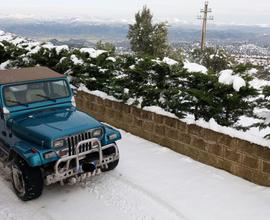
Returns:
(44, 138)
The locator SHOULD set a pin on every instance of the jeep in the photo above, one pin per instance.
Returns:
(44, 138)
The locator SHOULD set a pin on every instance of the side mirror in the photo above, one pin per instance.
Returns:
(4, 111)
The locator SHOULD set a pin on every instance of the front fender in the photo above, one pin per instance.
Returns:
(26, 151)
(108, 132)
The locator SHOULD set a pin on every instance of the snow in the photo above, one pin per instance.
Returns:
(58, 49)
(98, 93)
(7, 37)
(48, 45)
(147, 184)
(258, 83)
(61, 48)
(253, 135)
(29, 45)
(126, 91)
(159, 110)
(93, 53)
(169, 61)
(4, 65)
(133, 101)
(158, 61)
(18, 40)
(111, 59)
(34, 50)
(238, 83)
(252, 71)
(132, 67)
(226, 77)
(62, 59)
(194, 67)
(76, 60)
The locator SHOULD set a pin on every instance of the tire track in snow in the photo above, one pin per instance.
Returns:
(7, 213)
(115, 190)
(11, 208)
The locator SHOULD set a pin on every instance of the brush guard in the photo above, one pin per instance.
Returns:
(66, 172)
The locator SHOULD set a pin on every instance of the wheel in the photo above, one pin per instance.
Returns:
(27, 181)
(111, 166)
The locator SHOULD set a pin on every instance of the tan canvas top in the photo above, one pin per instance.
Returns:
(27, 74)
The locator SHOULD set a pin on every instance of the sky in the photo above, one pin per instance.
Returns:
(224, 11)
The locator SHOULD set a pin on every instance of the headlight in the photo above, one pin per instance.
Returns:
(97, 133)
(59, 143)
(63, 152)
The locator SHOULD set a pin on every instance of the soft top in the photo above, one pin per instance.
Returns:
(27, 74)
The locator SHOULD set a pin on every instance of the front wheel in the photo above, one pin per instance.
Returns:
(27, 181)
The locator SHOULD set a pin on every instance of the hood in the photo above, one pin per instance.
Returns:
(49, 125)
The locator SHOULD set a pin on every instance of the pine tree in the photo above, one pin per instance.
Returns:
(147, 38)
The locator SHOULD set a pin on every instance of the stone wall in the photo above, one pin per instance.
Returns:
(239, 157)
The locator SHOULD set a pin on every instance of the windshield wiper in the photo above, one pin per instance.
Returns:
(17, 102)
(46, 97)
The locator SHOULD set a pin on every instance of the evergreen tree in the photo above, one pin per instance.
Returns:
(214, 59)
(109, 47)
(263, 102)
(206, 98)
(147, 38)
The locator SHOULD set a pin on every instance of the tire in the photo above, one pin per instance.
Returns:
(111, 166)
(27, 181)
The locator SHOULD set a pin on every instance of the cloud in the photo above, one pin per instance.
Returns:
(224, 10)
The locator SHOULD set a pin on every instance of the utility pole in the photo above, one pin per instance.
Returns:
(204, 17)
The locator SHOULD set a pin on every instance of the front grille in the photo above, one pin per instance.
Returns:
(73, 140)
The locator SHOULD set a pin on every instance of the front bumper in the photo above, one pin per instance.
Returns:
(64, 168)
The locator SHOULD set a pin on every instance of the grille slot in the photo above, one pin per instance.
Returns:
(73, 140)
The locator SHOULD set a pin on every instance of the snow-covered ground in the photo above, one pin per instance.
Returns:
(150, 183)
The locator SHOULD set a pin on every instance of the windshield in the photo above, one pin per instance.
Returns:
(25, 94)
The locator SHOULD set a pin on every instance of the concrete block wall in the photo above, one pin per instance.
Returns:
(239, 157)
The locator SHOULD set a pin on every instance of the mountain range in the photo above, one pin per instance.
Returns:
(116, 31)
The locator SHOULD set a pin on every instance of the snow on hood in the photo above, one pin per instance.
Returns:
(194, 67)
(226, 77)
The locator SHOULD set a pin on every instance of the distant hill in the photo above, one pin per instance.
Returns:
(115, 32)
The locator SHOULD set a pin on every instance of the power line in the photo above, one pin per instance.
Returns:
(204, 17)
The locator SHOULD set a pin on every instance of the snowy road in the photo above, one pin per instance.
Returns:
(150, 183)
